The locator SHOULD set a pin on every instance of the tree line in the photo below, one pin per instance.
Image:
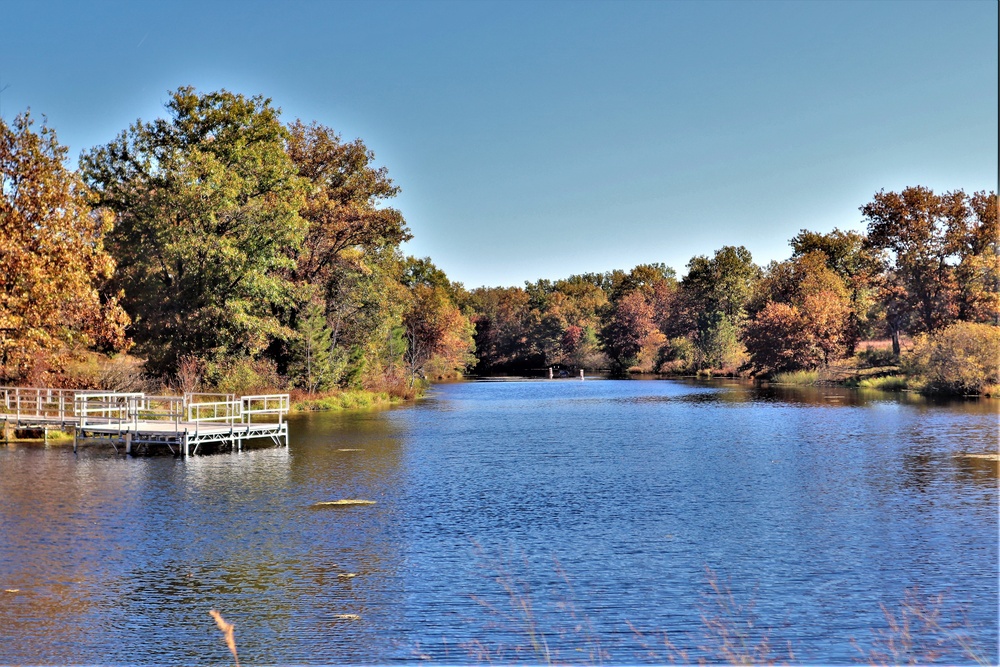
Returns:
(217, 244)
(927, 263)
(223, 246)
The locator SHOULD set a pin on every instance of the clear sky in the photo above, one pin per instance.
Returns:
(541, 139)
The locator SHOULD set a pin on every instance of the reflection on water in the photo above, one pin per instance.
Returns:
(820, 504)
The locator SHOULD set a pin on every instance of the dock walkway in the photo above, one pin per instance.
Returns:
(137, 423)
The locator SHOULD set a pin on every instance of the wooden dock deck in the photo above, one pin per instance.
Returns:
(138, 423)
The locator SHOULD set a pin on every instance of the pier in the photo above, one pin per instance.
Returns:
(135, 423)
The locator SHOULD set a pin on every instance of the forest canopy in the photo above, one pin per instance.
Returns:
(235, 251)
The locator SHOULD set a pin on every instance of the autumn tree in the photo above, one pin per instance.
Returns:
(502, 320)
(629, 329)
(206, 225)
(344, 203)
(52, 256)
(973, 237)
(777, 340)
(583, 300)
(860, 268)
(962, 358)
(815, 308)
(911, 226)
(437, 334)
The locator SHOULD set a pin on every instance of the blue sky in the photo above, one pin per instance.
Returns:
(541, 139)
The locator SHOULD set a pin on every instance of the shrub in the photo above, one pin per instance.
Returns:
(963, 358)
(243, 375)
(876, 357)
(679, 355)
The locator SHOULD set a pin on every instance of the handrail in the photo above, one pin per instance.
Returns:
(109, 407)
(265, 404)
(189, 397)
(224, 411)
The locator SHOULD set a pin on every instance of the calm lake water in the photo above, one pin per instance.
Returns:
(596, 513)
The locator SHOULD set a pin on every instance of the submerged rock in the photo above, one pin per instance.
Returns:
(345, 502)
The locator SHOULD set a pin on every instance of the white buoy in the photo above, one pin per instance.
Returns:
(581, 373)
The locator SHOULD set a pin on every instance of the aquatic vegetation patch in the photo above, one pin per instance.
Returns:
(885, 383)
(796, 377)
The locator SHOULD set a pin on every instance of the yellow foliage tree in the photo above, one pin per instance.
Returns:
(52, 258)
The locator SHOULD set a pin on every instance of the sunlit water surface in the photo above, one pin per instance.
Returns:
(601, 509)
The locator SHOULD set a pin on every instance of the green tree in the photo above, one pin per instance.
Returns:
(713, 302)
(206, 225)
(52, 256)
(314, 365)
(365, 302)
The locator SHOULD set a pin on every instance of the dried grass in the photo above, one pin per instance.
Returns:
(228, 630)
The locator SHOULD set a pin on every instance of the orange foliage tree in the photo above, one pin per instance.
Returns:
(52, 257)
(630, 328)
(805, 320)
(437, 334)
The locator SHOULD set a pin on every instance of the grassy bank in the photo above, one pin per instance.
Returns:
(346, 400)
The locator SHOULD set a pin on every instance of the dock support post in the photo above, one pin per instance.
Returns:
(184, 444)
(76, 434)
(128, 443)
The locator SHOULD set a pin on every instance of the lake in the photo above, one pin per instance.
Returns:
(519, 521)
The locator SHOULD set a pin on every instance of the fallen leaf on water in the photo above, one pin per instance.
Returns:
(348, 617)
(350, 450)
(12, 590)
(343, 502)
(347, 575)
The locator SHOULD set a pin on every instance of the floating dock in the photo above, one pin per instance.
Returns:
(137, 423)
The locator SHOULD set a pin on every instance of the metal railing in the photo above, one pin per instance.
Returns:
(230, 412)
(37, 402)
(265, 404)
(129, 408)
(107, 408)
